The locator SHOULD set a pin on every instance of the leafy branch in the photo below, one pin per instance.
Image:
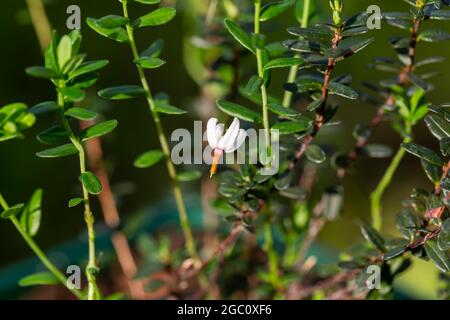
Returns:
(65, 67)
(121, 29)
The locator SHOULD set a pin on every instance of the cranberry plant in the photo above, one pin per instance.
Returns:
(269, 219)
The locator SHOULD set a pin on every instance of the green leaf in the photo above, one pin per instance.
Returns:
(423, 153)
(72, 94)
(315, 154)
(74, 202)
(168, 109)
(84, 81)
(12, 211)
(80, 114)
(60, 151)
(294, 193)
(91, 183)
(51, 59)
(148, 159)
(432, 171)
(117, 34)
(393, 253)
(347, 48)
(283, 63)
(304, 85)
(407, 223)
(149, 63)
(189, 175)
(148, 1)
(444, 145)
(372, 235)
(440, 15)
(438, 256)
(41, 278)
(430, 60)
(75, 37)
(155, 18)
(303, 46)
(238, 111)
(342, 90)
(122, 92)
(64, 51)
(162, 105)
(418, 81)
(378, 151)
(396, 16)
(240, 35)
(433, 36)
(290, 127)
(98, 130)
(313, 33)
(282, 111)
(439, 127)
(154, 50)
(253, 85)
(313, 106)
(88, 67)
(73, 63)
(274, 9)
(53, 135)
(41, 72)
(443, 240)
(355, 31)
(44, 107)
(31, 215)
(259, 40)
(111, 21)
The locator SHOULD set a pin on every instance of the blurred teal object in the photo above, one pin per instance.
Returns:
(74, 251)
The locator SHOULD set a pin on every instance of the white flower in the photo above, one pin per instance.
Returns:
(233, 139)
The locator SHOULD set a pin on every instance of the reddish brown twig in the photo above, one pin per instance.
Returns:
(297, 291)
(111, 215)
(403, 79)
(320, 114)
(218, 253)
(439, 211)
(438, 187)
(315, 226)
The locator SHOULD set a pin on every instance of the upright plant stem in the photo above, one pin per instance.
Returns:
(190, 244)
(94, 154)
(287, 98)
(273, 261)
(39, 253)
(91, 268)
(40, 22)
(259, 60)
(377, 194)
(268, 236)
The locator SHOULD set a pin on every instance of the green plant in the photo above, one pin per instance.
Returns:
(121, 29)
(261, 247)
(14, 120)
(71, 75)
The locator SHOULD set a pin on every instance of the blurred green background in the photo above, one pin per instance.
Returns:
(21, 172)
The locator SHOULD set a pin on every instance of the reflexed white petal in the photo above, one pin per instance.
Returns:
(220, 128)
(238, 142)
(211, 132)
(230, 136)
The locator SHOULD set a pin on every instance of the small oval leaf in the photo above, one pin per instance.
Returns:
(91, 183)
(122, 92)
(148, 159)
(12, 211)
